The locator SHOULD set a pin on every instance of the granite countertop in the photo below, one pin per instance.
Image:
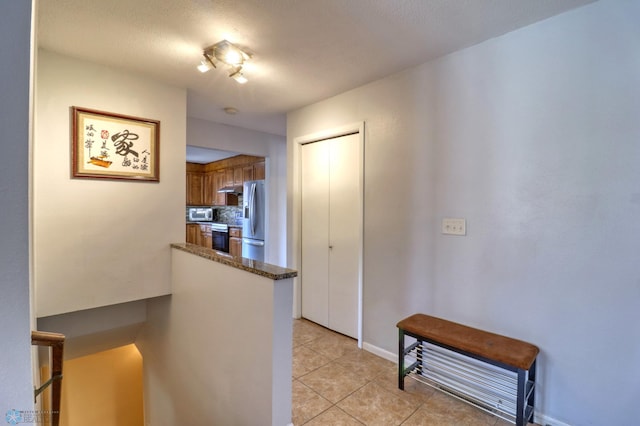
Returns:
(259, 268)
(209, 222)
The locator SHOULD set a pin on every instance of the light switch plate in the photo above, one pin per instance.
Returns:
(454, 226)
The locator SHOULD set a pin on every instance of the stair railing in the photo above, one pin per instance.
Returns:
(56, 342)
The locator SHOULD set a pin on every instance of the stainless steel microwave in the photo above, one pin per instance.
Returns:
(200, 214)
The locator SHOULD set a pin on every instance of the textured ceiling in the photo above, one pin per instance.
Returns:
(304, 50)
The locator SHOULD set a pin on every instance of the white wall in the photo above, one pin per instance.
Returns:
(219, 350)
(16, 381)
(101, 242)
(533, 138)
(96, 330)
(207, 134)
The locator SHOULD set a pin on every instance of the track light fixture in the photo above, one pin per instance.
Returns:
(238, 76)
(228, 54)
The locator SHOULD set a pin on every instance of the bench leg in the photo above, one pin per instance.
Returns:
(400, 359)
(520, 402)
(532, 397)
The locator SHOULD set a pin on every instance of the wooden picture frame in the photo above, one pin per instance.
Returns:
(106, 145)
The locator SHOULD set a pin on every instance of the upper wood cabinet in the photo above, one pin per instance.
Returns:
(228, 177)
(220, 180)
(230, 199)
(219, 177)
(247, 173)
(195, 195)
(238, 179)
(258, 170)
(208, 189)
(204, 180)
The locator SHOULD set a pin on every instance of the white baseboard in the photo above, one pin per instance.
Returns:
(545, 420)
(539, 418)
(380, 352)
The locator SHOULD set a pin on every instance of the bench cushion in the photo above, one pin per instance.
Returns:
(506, 350)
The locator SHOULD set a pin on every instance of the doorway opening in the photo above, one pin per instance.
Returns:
(222, 186)
(104, 388)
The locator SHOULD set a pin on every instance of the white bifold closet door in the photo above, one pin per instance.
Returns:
(331, 232)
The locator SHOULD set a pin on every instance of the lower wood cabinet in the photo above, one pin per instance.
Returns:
(206, 239)
(235, 241)
(193, 233)
(199, 234)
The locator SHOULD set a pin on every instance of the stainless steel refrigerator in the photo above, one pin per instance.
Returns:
(253, 204)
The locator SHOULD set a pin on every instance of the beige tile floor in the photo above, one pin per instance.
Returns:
(335, 383)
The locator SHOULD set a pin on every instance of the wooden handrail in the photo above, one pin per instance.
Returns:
(56, 342)
(45, 338)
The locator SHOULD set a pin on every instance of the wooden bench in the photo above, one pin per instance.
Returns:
(493, 372)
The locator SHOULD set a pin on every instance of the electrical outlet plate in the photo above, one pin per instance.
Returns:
(454, 226)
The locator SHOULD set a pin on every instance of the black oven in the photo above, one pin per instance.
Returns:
(220, 237)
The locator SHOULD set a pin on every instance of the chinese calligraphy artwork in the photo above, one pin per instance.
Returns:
(115, 146)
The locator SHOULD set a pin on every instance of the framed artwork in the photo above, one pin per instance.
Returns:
(114, 146)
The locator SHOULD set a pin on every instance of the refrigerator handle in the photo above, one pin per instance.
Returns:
(253, 242)
(252, 208)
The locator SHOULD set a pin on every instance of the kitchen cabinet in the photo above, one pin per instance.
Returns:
(254, 171)
(209, 194)
(193, 233)
(238, 180)
(195, 189)
(228, 177)
(204, 180)
(230, 199)
(220, 180)
(247, 173)
(235, 241)
(331, 238)
(199, 234)
(205, 236)
(258, 171)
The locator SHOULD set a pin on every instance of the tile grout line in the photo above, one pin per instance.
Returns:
(373, 373)
(368, 382)
(306, 345)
